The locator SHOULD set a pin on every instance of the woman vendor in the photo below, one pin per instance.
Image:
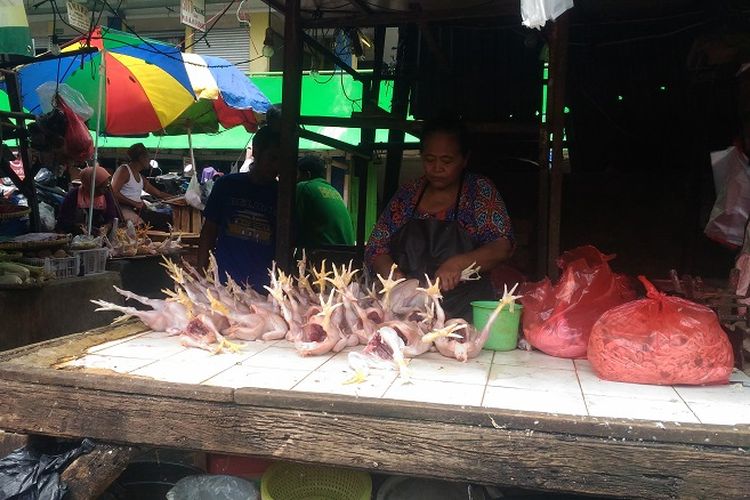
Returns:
(127, 185)
(73, 214)
(443, 222)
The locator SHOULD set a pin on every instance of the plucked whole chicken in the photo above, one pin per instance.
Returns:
(319, 310)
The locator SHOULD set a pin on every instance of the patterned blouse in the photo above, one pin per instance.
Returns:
(481, 212)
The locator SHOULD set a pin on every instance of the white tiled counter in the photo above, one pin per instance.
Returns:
(514, 380)
(515, 418)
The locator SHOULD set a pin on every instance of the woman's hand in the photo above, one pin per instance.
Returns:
(449, 272)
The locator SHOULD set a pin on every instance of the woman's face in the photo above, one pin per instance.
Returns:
(442, 160)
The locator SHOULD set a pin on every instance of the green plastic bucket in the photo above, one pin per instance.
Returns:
(504, 331)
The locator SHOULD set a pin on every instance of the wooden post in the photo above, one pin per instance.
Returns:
(28, 188)
(405, 59)
(291, 97)
(91, 474)
(189, 39)
(556, 119)
(370, 98)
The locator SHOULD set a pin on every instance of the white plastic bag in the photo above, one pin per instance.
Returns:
(536, 13)
(213, 488)
(193, 193)
(71, 96)
(729, 215)
(47, 217)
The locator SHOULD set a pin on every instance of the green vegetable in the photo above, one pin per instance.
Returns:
(10, 279)
(17, 269)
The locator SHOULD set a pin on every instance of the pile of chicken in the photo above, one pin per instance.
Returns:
(319, 310)
(131, 241)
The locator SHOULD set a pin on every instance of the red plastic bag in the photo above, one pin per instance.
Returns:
(78, 143)
(661, 340)
(558, 319)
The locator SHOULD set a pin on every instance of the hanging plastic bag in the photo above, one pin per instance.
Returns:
(726, 224)
(536, 13)
(661, 340)
(193, 193)
(78, 143)
(48, 91)
(558, 319)
(29, 474)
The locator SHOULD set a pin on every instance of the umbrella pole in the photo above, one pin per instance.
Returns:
(96, 143)
(190, 145)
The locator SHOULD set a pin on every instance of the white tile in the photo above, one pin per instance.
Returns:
(200, 356)
(535, 359)
(333, 380)
(642, 409)
(430, 391)
(280, 343)
(483, 357)
(716, 394)
(723, 414)
(536, 401)
(592, 384)
(146, 348)
(112, 343)
(449, 370)
(188, 370)
(535, 379)
(262, 378)
(121, 365)
(280, 357)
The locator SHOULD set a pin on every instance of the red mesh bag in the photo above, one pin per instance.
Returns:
(661, 340)
(78, 143)
(558, 319)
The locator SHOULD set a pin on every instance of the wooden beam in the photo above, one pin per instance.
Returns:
(362, 6)
(407, 444)
(290, 107)
(91, 474)
(380, 18)
(377, 122)
(434, 46)
(29, 190)
(558, 73)
(335, 143)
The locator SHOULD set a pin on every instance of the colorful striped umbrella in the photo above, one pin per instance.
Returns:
(147, 85)
(225, 95)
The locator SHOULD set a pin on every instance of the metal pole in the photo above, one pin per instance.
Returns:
(102, 81)
(291, 96)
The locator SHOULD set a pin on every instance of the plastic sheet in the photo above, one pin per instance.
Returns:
(209, 487)
(661, 340)
(48, 91)
(729, 215)
(28, 474)
(536, 13)
(558, 319)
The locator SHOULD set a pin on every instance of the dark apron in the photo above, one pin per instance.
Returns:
(420, 246)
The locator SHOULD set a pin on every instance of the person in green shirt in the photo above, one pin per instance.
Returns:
(322, 216)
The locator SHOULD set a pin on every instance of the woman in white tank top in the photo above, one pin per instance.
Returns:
(128, 184)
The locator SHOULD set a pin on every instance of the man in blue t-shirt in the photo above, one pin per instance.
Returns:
(240, 225)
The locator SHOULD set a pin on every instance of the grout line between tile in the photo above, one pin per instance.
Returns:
(580, 387)
(686, 404)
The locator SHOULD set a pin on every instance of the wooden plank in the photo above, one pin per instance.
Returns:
(609, 428)
(405, 446)
(91, 474)
(10, 441)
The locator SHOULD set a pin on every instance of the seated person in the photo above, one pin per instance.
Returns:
(322, 216)
(73, 215)
(127, 185)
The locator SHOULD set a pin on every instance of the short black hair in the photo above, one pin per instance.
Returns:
(447, 124)
(265, 138)
(312, 164)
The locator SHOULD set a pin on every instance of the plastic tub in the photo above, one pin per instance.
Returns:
(285, 481)
(504, 331)
(93, 261)
(60, 268)
(247, 467)
(148, 480)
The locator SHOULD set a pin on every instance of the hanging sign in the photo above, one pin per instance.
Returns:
(193, 14)
(78, 15)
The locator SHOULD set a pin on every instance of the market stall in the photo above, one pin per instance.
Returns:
(555, 426)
